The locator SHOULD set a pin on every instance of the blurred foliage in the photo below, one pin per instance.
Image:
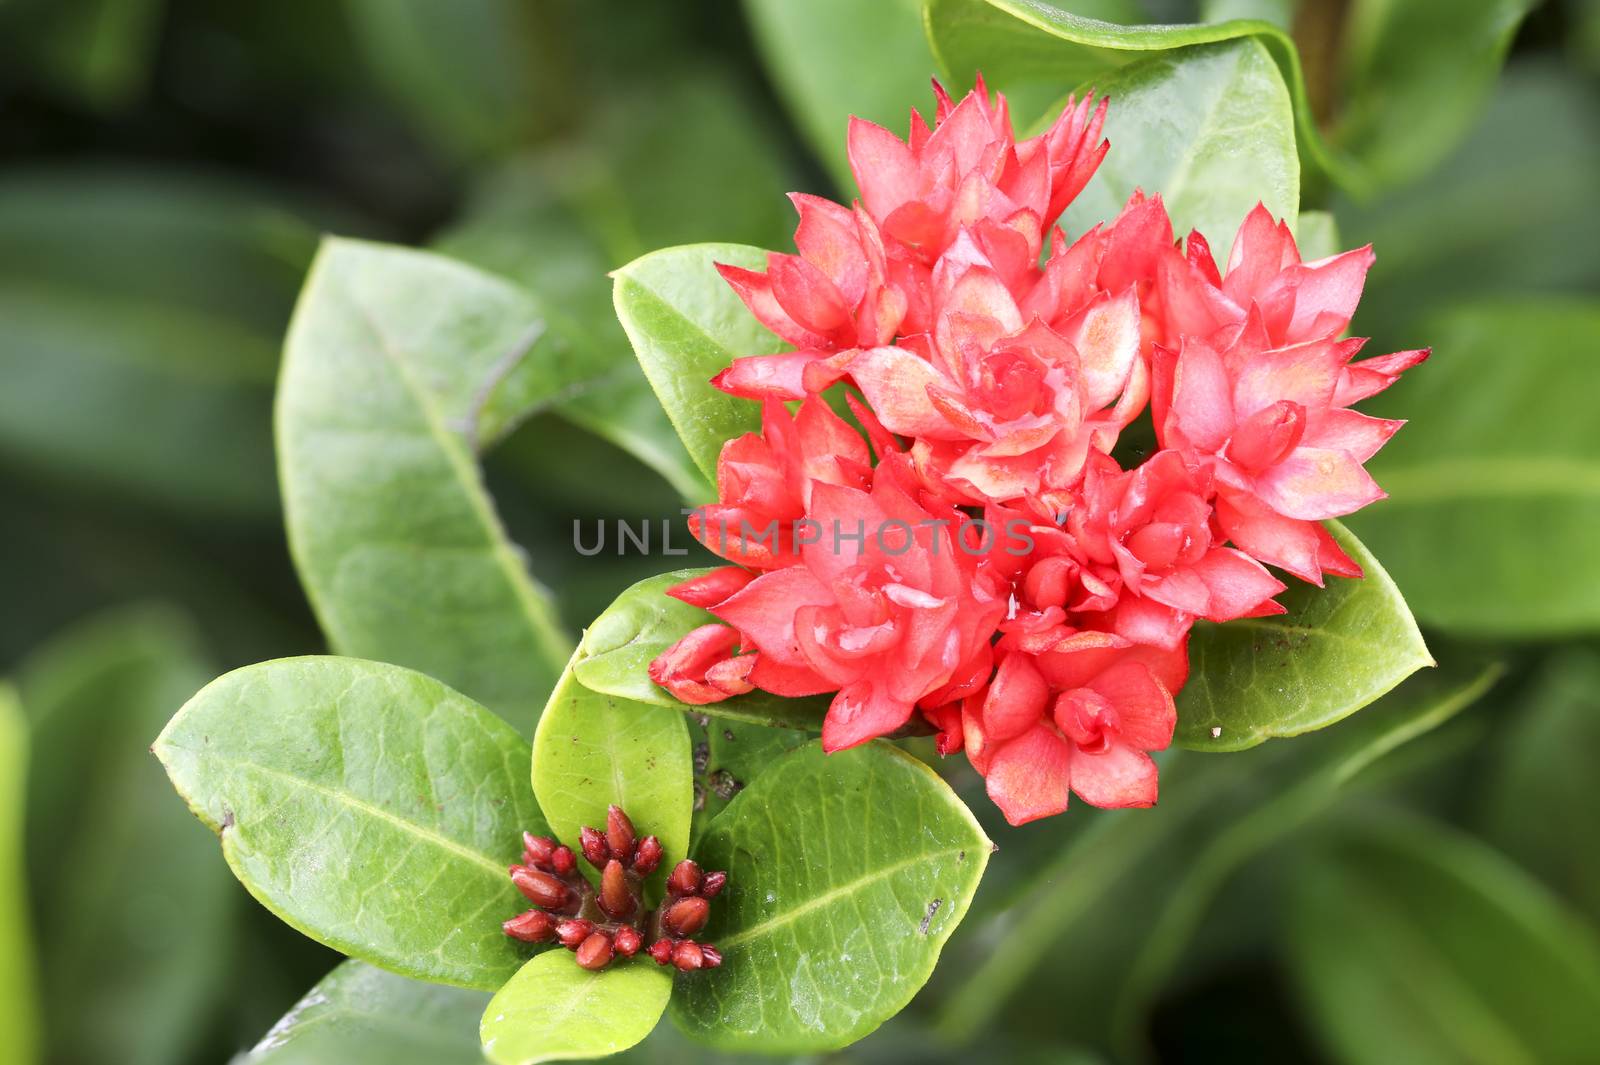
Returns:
(166, 170)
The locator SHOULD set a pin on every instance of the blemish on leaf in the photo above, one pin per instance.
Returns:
(227, 819)
(927, 918)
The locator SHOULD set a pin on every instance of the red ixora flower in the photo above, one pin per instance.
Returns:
(861, 276)
(998, 384)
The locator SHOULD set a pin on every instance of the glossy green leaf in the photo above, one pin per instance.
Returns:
(143, 312)
(846, 874)
(17, 998)
(554, 1011)
(1127, 891)
(359, 1015)
(557, 220)
(397, 366)
(616, 651)
(814, 53)
(686, 325)
(1337, 649)
(132, 965)
(1415, 75)
(1209, 128)
(1494, 484)
(1409, 942)
(1546, 771)
(371, 807)
(1036, 52)
(592, 750)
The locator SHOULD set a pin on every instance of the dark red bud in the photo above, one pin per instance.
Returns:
(594, 847)
(616, 897)
(563, 861)
(661, 951)
(686, 916)
(628, 941)
(542, 888)
(535, 926)
(648, 857)
(536, 850)
(688, 956)
(619, 833)
(595, 952)
(685, 879)
(712, 885)
(711, 954)
(573, 932)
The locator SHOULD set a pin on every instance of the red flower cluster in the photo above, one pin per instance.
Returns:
(996, 571)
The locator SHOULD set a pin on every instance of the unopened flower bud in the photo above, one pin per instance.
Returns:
(661, 951)
(616, 897)
(535, 926)
(628, 941)
(712, 884)
(536, 850)
(686, 916)
(542, 889)
(685, 879)
(711, 954)
(595, 952)
(648, 856)
(573, 932)
(595, 849)
(563, 861)
(688, 956)
(619, 833)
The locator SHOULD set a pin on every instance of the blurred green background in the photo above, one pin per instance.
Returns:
(166, 170)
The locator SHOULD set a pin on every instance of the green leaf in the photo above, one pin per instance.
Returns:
(465, 73)
(592, 750)
(553, 1011)
(686, 325)
(846, 874)
(1209, 128)
(1415, 75)
(366, 805)
(17, 1001)
(559, 219)
(1126, 894)
(1545, 766)
(358, 1015)
(1036, 52)
(1412, 943)
(143, 312)
(97, 53)
(398, 364)
(814, 52)
(1336, 650)
(1317, 235)
(1494, 485)
(616, 651)
(130, 966)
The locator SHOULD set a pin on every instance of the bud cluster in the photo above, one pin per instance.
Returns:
(601, 925)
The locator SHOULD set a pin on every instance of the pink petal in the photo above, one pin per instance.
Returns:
(1238, 585)
(1315, 483)
(1107, 342)
(896, 384)
(1371, 376)
(883, 166)
(1028, 777)
(1119, 778)
(1146, 714)
(863, 711)
(1350, 431)
(755, 289)
(709, 589)
(780, 376)
(1303, 373)
(1201, 406)
(1016, 700)
(763, 611)
(1326, 291)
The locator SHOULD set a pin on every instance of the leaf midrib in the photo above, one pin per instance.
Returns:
(366, 806)
(830, 896)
